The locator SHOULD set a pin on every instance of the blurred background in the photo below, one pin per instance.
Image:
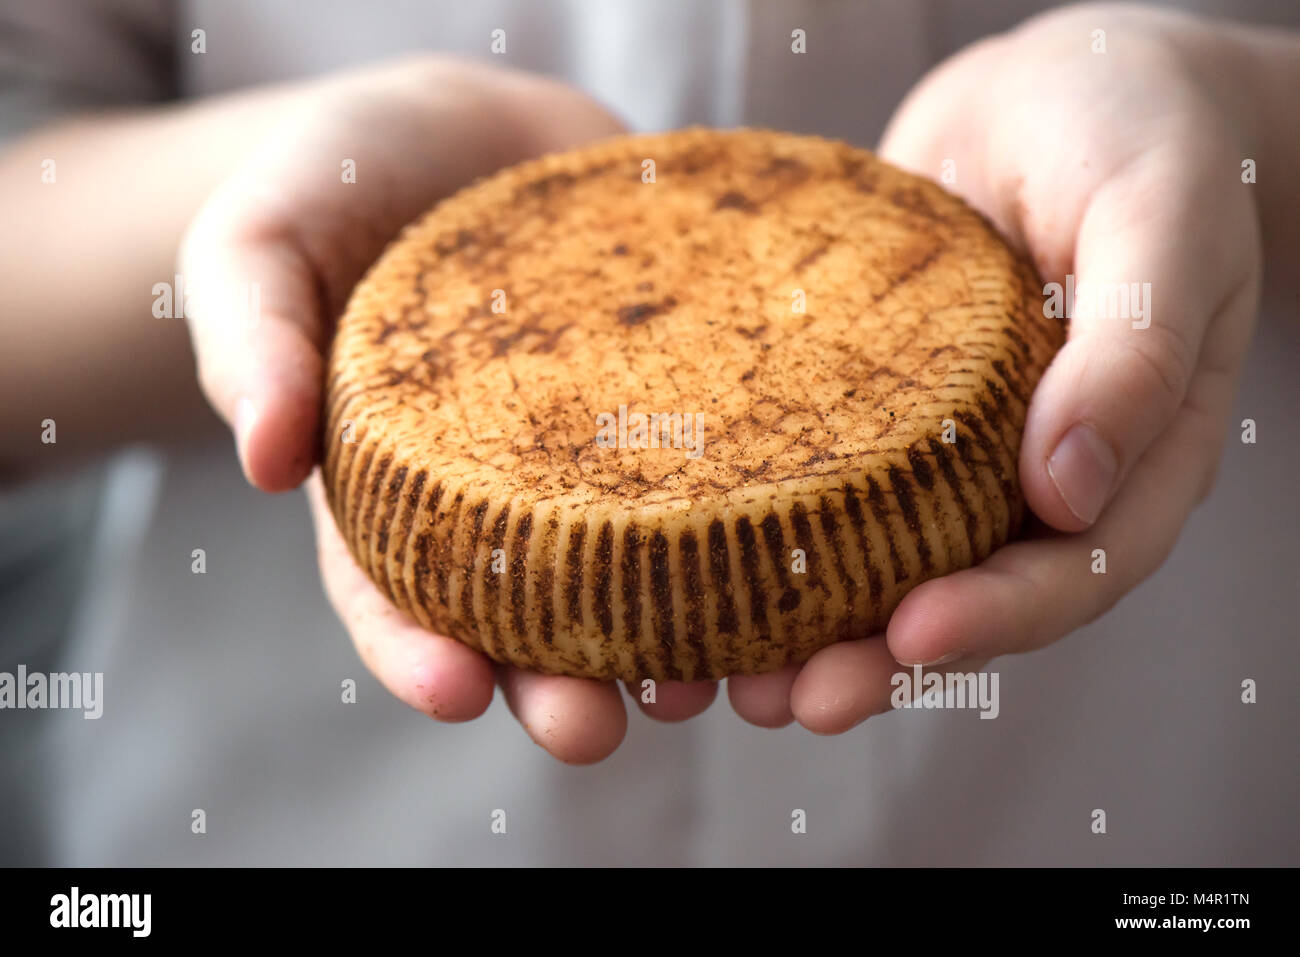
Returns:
(222, 690)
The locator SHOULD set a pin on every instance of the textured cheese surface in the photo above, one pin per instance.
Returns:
(816, 315)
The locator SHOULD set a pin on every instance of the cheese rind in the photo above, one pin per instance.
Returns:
(835, 356)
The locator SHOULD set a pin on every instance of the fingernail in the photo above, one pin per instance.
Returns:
(1083, 469)
(943, 660)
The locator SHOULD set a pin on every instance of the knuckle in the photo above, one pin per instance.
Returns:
(1161, 368)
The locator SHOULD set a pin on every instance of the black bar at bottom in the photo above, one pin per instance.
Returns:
(333, 905)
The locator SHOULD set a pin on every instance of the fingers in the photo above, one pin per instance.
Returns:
(577, 720)
(432, 673)
(675, 700)
(255, 323)
(1158, 257)
(764, 699)
(842, 685)
(1031, 593)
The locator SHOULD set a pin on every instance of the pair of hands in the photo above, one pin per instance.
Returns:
(1115, 167)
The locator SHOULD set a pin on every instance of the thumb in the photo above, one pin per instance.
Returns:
(1158, 255)
(252, 304)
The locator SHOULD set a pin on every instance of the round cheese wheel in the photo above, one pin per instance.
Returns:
(681, 406)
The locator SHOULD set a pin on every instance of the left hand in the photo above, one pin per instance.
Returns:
(417, 130)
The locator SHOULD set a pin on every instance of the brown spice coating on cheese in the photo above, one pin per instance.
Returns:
(474, 428)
